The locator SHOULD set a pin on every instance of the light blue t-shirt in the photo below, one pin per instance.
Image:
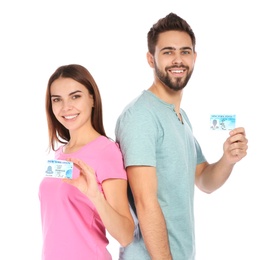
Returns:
(150, 134)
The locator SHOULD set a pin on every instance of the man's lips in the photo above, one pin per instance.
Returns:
(175, 70)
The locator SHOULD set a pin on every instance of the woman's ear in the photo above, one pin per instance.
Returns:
(92, 100)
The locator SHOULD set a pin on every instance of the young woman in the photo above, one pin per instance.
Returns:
(77, 212)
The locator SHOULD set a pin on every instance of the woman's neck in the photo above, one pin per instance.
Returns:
(78, 140)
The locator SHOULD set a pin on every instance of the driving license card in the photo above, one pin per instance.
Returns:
(59, 169)
(222, 122)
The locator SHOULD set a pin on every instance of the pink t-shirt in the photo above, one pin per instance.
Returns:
(71, 226)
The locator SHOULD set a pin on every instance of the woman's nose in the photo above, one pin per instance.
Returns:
(67, 105)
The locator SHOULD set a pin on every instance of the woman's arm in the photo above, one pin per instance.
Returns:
(112, 206)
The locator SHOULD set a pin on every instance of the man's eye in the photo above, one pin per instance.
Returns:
(186, 52)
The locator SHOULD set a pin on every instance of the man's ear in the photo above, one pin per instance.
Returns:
(195, 55)
(150, 59)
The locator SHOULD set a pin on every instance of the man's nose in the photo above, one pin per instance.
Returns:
(177, 59)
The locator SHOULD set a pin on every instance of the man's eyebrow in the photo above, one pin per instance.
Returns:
(173, 48)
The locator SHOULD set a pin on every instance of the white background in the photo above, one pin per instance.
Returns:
(234, 73)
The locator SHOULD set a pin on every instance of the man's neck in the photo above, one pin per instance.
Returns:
(167, 95)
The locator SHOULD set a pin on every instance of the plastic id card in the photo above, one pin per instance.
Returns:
(59, 169)
(222, 122)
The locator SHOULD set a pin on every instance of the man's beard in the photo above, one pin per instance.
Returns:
(179, 83)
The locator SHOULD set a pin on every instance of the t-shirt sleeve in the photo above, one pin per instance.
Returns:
(112, 166)
(136, 132)
(200, 157)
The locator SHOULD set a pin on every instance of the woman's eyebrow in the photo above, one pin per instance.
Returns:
(70, 94)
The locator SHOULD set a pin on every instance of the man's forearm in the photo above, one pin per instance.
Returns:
(215, 175)
(154, 232)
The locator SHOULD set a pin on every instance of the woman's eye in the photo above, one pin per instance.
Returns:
(76, 96)
(55, 99)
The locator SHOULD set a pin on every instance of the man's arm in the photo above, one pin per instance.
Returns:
(143, 183)
(210, 177)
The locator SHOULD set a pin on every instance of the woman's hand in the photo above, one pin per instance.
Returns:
(87, 181)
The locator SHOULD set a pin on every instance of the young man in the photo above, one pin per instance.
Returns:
(162, 157)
